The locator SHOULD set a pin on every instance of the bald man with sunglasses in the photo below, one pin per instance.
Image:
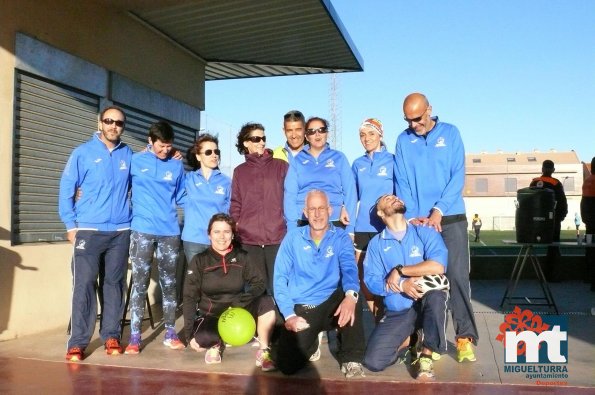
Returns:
(430, 176)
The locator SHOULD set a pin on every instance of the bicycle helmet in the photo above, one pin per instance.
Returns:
(431, 282)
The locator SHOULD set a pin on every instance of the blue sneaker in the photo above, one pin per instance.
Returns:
(171, 340)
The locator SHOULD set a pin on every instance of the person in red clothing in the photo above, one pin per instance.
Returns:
(588, 215)
(547, 181)
(257, 199)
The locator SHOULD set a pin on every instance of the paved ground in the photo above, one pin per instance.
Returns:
(36, 364)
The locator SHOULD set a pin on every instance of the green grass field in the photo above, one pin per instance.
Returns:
(493, 238)
(491, 243)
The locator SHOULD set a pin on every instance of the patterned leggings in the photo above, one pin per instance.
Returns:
(142, 248)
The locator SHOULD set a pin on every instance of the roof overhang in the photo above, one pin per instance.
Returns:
(252, 38)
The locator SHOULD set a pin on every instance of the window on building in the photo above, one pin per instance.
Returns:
(568, 184)
(476, 160)
(532, 159)
(481, 185)
(511, 159)
(510, 185)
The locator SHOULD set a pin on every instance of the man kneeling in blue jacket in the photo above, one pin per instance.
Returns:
(316, 288)
(396, 259)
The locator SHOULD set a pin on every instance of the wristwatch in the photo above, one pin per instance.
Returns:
(399, 269)
(353, 294)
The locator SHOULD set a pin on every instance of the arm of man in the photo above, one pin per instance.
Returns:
(69, 183)
(561, 202)
(454, 188)
(283, 272)
(349, 280)
(435, 257)
(402, 180)
(181, 187)
(375, 270)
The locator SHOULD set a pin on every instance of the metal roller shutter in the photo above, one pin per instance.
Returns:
(137, 130)
(50, 120)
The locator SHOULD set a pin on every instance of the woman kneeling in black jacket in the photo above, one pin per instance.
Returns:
(222, 277)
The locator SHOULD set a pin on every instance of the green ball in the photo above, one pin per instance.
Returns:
(236, 326)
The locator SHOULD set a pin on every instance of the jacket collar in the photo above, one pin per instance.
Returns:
(256, 159)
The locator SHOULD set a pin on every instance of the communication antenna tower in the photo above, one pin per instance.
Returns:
(334, 137)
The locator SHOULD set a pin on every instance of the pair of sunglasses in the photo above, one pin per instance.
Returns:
(210, 152)
(312, 132)
(256, 139)
(109, 121)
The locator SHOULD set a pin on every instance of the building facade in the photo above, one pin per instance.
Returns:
(492, 181)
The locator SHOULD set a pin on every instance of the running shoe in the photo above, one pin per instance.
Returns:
(425, 369)
(213, 355)
(113, 347)
(75, 354)
(264, 361)
(133, 346)
(316, 356)
(171, 340)
(352, 370)
(465, 349)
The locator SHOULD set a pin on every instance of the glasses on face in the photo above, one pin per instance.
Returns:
(416, 119)
(209, 152)
(257, 139)
(109, 121)
(312, 132)
(316, 210)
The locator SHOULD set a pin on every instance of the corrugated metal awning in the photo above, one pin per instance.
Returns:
(253, 38)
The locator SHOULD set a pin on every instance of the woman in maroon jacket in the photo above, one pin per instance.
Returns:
(222, 277)
(257, 199)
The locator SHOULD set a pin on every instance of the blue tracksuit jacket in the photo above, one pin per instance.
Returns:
(430, 171)
(104, 180)
(307, 274)
(374, 177)
(331, 173)
(421, 243)
(204, 198)
(157, 187)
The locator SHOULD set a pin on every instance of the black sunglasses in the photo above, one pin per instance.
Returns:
(109, 121)
(257, 139)
(209, 152)
(312, 132)
(416, 119)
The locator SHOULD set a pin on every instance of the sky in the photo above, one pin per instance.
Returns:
(512, 75)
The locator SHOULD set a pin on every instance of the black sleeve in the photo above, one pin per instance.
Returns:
(561, 203)
(253, 278)
(192, 290)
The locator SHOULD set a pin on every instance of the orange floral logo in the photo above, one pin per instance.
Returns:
(520, 321)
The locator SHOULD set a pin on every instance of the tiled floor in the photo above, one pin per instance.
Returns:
(35, 364)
